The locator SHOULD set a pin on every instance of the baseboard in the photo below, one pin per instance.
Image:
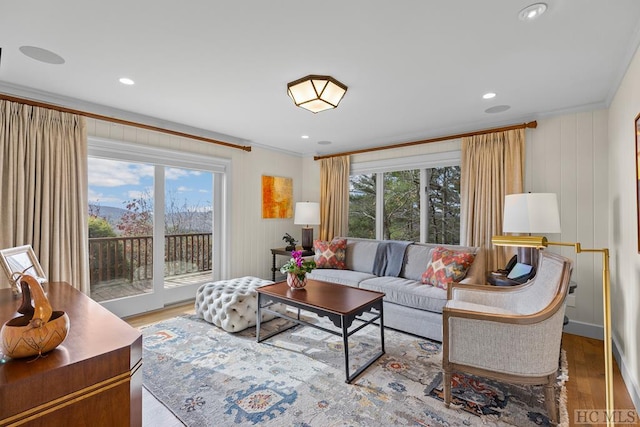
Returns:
(597, 332)
(584, 330)
(632, 386)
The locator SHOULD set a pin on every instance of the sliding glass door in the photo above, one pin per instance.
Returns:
(152, 225)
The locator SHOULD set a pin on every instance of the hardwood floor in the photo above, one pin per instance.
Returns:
(159, 315)
(585, 357)
(585, 388)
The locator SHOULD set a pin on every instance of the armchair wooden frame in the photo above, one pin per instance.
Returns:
(547, 378)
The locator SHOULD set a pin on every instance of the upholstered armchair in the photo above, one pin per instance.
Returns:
(510, 334)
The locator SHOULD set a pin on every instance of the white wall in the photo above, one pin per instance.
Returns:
(623, 226)
(311, 182)
(251, 235)
(567, 155)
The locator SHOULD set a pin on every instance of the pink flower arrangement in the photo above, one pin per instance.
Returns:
(298, 265)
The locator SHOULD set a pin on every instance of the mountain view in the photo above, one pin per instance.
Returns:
(175, 222)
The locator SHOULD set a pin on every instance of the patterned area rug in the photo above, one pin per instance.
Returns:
(208, 377)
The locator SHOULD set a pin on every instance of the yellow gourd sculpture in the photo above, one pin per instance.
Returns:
(39, 329)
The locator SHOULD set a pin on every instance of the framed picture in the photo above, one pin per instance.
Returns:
(637, 132)
(21, 259)
(277, 197)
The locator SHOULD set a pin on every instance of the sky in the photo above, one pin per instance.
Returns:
(114, 183)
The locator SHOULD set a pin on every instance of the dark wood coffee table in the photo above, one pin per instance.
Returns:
(341, 304)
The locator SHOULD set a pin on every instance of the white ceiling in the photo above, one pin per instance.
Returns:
(415, 69)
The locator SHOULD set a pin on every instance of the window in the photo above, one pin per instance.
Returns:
(417, 201)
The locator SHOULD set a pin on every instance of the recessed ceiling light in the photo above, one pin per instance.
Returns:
(305, 136)
(489, 95)
(497, 109)
(126, 81)
(532, 12)
(42, 55)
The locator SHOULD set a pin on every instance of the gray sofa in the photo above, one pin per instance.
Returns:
(409, 305)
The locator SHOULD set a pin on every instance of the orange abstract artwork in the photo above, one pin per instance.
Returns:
(277, 197)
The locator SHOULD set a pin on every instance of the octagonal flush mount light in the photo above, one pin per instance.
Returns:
(316, 93)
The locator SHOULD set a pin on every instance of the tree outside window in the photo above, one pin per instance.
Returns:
(402, 210)
(362, 206)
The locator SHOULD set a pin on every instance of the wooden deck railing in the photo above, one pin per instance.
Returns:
(131, 258)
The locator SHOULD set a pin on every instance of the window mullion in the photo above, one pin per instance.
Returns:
(379, 205)
(424, 205)
(158, 227)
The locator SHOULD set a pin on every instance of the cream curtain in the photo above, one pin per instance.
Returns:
(334, 197)
(43, 188)
(492, 167)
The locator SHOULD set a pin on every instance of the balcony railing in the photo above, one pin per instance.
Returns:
(131, 258)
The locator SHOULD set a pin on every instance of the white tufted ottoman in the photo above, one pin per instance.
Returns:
(232, 304)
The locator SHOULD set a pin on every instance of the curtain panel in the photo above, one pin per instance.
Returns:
(43, 188)
(492, 167)
(334, 197)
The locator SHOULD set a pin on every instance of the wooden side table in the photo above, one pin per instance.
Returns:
(284, 252)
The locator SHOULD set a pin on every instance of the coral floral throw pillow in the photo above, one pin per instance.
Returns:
(446, 266)
(330, 254)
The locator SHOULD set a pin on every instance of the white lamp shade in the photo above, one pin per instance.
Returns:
(531, 213)
(307, 213)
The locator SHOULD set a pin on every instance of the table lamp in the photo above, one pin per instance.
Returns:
(307, 213)
(538, 208)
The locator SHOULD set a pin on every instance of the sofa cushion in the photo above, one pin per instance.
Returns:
(416, 259)
(447, 266)
(360, 254)
(341, 277)
(409, 293)
(330, 254)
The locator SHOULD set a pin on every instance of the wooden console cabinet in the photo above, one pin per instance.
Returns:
(94, 378)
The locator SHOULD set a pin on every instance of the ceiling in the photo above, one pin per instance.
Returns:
(415, 69)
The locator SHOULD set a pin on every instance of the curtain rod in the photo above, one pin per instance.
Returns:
(120, 121)
(531, 125)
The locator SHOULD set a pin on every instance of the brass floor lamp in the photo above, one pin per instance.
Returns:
(540, 242)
